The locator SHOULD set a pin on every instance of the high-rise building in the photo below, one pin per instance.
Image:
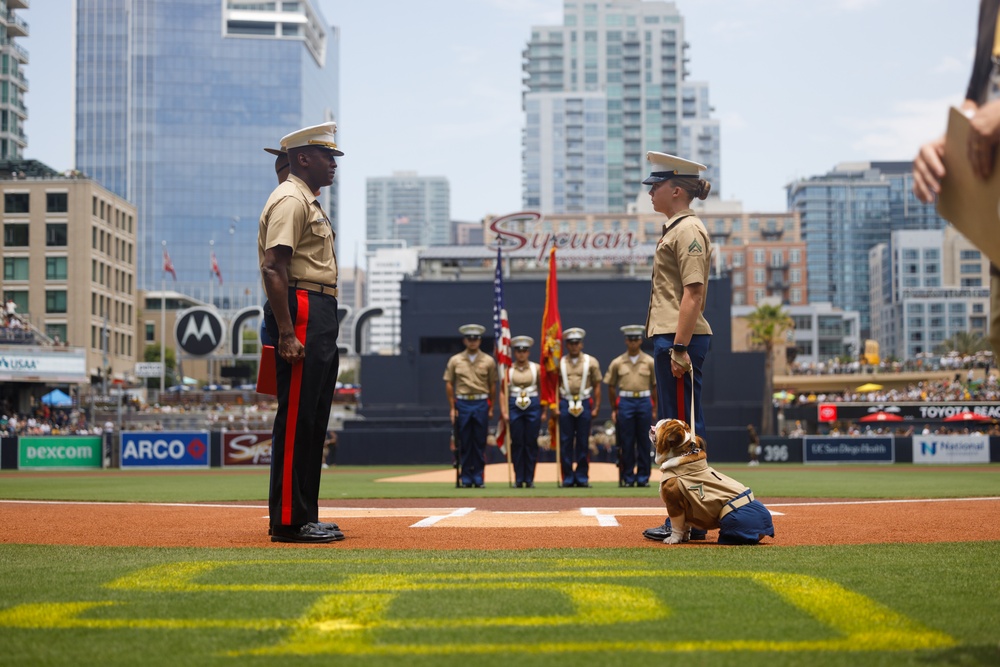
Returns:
(13, 111)
(927, 286)
(410, 208)
(846, 212)
(386, 269)
(600, 90)
(175, 101)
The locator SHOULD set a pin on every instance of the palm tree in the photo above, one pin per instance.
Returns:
(768, 324)
(966, 344)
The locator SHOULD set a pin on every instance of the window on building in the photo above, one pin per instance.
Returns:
(15, 202)
(55, 234)
(758, 256)
(20, 299)
(795, 255)
(737, 259)
(55, 301)
(758, 276)
(56, 332)
(56, 202)
(970, 255)
(55, 268)
(15, 268)
(15, 235)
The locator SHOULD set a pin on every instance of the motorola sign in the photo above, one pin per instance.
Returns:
(199, 331)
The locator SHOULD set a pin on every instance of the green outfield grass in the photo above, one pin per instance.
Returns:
(922, 604)
(849, 606)
(784, 481)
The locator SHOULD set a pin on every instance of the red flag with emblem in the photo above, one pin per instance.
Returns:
(168, 266)
(215, 267)
(551, 339)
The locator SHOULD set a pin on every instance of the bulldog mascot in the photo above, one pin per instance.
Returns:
(698, 496)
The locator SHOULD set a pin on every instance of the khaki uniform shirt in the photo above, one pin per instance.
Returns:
(293, 217)
(706, 490)
(523, 379)
(683, 257)
(574, 373)
(623, 375)
(471, 377)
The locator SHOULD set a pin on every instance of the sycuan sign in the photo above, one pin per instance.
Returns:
(52, 451)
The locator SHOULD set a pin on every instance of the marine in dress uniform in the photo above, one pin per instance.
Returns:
(631, 381)
(678, 293)
(524, 412)
(470, 382)
(299, 271)
(579, 402)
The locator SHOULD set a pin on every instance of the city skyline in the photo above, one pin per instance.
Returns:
(793, 100)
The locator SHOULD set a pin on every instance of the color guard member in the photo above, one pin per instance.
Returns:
(631, 384)
(470, 381)
(580, 400)
(524, 412)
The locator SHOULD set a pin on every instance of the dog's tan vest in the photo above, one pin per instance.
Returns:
(706, 490)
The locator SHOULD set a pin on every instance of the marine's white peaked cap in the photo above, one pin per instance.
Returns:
(576, 333)
(323, 134)
(633, 330)
(472, 330)
(664, 167)
(522, 341)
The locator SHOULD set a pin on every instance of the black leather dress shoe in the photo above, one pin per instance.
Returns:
(309, 533)
(662, 532)
(530, 485)
(325, 526)
(642, 484)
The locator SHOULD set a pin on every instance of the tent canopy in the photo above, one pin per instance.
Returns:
(57, 398)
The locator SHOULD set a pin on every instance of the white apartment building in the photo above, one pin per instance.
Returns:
(926, 286)
(386, 269)
(602, 89)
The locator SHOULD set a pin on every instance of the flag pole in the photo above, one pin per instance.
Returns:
(163, 323)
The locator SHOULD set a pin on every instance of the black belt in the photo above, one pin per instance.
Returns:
(311, 286)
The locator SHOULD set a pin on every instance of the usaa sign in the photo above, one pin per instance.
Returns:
(199, 331)
(160, 449)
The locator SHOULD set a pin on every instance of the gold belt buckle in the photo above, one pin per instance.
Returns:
(523, 401)
(575, 407)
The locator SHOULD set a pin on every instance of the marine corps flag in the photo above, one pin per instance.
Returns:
(548, 383)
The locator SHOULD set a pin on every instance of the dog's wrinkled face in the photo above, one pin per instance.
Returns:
(672, 437)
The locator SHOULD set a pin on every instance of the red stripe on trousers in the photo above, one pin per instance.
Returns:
(294, 391)
(680, 399)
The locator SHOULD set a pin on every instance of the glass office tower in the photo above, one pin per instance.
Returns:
(175, 100)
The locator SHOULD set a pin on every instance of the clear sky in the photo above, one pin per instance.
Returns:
(435, 87)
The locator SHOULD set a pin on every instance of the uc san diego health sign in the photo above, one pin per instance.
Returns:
(53, 451)
(162, 449)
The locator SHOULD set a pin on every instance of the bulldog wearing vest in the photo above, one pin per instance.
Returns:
(696, 495)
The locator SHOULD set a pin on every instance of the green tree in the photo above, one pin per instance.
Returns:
(152, 353)
(768, 324)
(966, 344)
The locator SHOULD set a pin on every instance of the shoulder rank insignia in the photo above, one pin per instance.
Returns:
(694, 248)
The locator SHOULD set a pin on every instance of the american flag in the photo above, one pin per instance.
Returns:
(402, 219)
(215, 267)
(168, 266)
(501, 350)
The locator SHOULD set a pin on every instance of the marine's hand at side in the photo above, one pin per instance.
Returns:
(290, 349)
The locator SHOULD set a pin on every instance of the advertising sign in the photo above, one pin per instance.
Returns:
(55, 451)
(199, 331)
(160, 449)
(827, 412)
(34, 364)
(246, 448)
(148, 369)
(951, 448)
(836, 449)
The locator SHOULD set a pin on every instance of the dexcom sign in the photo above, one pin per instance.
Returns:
(145, 449)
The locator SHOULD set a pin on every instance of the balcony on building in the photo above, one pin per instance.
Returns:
(18, 4)
(16, 26)
(772, 234)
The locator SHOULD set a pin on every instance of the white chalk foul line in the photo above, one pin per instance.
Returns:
(604, 520)
(431, 520)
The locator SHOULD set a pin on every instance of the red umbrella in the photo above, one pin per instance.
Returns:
(881, 417)
(967, 417)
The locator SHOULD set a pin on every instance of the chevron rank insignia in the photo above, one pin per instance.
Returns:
(694, 248)
(699, 489)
